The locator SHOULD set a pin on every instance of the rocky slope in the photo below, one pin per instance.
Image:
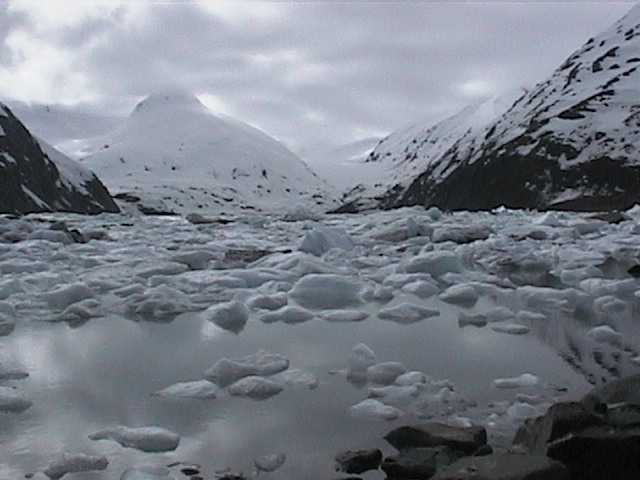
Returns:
(34, 177)
(405, 154)
(176, 154)
(570, 143)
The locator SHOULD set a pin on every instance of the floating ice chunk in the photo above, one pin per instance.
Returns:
(361, 358)
(13, 401)
(475, 320)
(200, 389)
(268, 302)
(434, 263)
(600, 287)
(412, 378)
(269, 463)
(499, 314)
(530, 399)
(288, 314)
(62, 297)
(326, 291)
(82, 310)
(129, 290)
(231, 316)
(160, 302)
(12, 373)
(225, 371)
(150, 472)
(371, 409)
(399, 280)
(385, 373)
(161, 268)
(421, 289)
(609, 305)
(301, 213)
(196, 259)
(526, 316)
(459, 234)
(54, 236)
(255, 388)
(406, 313)
(377, 294)
(464, 295)
(605, 334)
(145, 439)
(510, 328)
(6, 325)
(403, 230)
(7, 309)
(549, 219)
(322, 239)
(297, 378)
(23, 266)
(433, 213)
(524, 380)
(344, 316)
(521, 411)
(574, 276)
(398, 396)
(75, 463)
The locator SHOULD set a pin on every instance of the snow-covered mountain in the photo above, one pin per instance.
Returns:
(173, 152)
(35, 177)
(570, 143)
(64, 127)
(399, 158)
(345, 165)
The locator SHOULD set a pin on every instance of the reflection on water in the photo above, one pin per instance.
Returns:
(101, 374)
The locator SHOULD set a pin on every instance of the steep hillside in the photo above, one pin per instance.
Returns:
(34, 177)
(571, 143)
(174, 152)
(405, 154)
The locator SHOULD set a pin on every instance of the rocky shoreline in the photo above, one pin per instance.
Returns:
(596, 438)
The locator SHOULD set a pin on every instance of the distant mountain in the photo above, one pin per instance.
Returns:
(64, 127)
(34, 177)
(399, 158)
(571, 143)
(172, 151)
(345, 165)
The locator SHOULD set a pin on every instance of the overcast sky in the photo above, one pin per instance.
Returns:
(309, 73)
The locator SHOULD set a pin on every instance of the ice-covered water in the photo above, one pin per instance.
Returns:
(101, 327)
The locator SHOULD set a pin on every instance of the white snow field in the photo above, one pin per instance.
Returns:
(220, 344)
(176, 155)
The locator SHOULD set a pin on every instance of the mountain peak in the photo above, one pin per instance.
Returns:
(169, 99)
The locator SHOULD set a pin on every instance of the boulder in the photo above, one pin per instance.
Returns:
(464, 439)
(419, 463)
(505, 466)
(358, 461)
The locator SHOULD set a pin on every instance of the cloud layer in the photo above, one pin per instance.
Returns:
(309, 73)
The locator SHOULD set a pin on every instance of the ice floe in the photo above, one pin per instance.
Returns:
(326, 291)
(145, 439)
(75, 463)
(200, 389)
(231, 316)
(406, 313)
(255, 388)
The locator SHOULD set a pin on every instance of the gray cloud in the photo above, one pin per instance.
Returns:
(313, 73)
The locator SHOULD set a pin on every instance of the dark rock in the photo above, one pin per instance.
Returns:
(245, 256)
(483, 450)
(610, 217)
(559, 420)
(634, 271)
(465, 439)
(359, 461)
(189, 471)
(505, 466)
(623, 390)
(623, 416)
(600, 453)
(32, 177)
(419, 463)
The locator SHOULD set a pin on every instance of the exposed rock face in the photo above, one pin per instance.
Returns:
(34, 177)
(597, 439)
(464, 439)
(505, 466)
(572, 142)
(359, 461)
